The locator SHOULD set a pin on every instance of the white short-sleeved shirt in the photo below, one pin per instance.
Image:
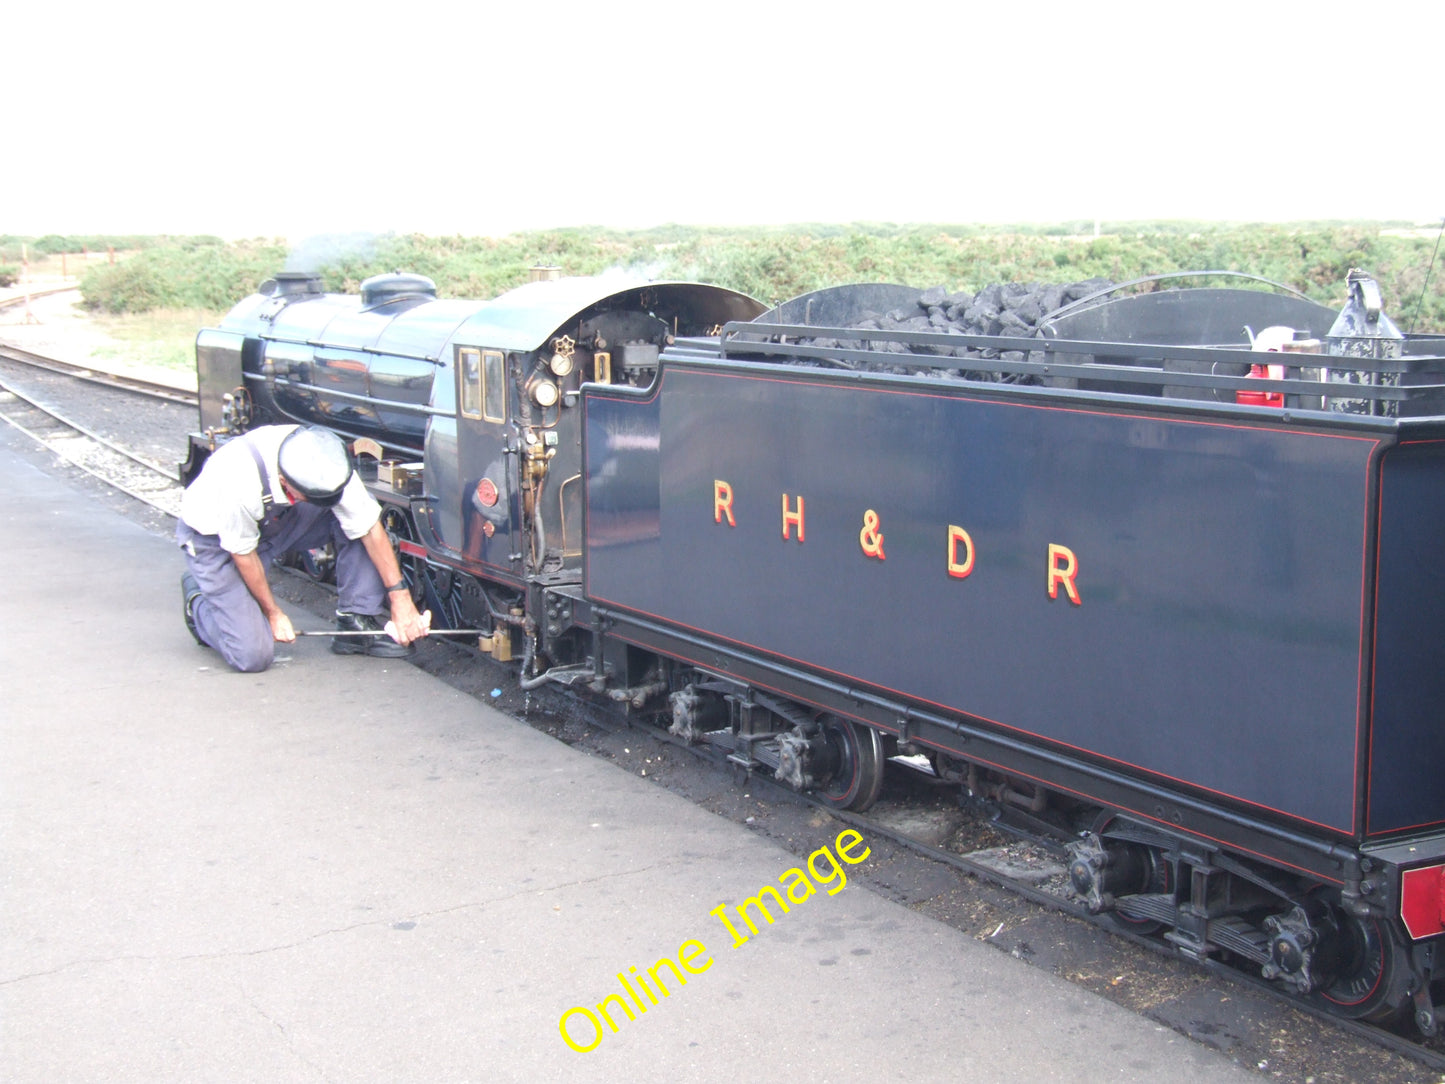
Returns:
(225, 500)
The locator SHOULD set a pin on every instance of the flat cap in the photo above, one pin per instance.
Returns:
(315, 462)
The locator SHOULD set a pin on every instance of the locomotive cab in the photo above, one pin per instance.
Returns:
(503, 449)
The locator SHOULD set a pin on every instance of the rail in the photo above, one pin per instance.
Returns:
(91, 375)
(90, 452)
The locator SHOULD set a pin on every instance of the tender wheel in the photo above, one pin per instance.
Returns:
(1364, 974)
(855, 753)
(1145, 873)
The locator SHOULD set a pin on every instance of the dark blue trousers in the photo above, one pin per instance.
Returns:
(231, 621)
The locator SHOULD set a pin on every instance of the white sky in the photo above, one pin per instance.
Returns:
(303, 118)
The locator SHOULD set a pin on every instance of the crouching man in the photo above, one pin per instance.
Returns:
(276, 490)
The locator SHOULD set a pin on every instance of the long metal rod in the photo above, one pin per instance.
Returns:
(383, 632)
(351, 397)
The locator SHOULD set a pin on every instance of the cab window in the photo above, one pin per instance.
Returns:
(482, 375)
(494, 386)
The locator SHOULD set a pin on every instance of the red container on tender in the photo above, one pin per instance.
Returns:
(1262, 398)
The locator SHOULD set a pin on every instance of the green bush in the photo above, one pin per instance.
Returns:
(132, 285)
(9, 275)
(201, 273)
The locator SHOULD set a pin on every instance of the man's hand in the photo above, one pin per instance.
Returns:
(406, 624)
(281, 629)
(396, 633)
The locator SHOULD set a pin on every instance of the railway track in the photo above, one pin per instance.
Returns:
(107, 460)
(100, 377)
(1032, 874)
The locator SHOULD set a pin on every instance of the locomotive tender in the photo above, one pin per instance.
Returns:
(1137, 585)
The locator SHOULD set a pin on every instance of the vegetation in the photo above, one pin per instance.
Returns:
(774, 264)
(9, 276)
(196, 272)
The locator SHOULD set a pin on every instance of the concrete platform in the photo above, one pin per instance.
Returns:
(343, 870)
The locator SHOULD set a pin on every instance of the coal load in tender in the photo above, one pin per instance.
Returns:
(1011, 309)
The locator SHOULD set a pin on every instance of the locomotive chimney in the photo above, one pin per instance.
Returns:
(293, 284)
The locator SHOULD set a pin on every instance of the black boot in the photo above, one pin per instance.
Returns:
(190, 591)
(381, 647)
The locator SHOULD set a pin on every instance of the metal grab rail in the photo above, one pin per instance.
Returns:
(1063, 358)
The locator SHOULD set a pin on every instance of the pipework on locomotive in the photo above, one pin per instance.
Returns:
(1088, 553)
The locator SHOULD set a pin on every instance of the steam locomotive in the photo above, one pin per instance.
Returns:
(1153, 572)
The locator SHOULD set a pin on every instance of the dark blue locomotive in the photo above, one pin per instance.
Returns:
(1140, 586)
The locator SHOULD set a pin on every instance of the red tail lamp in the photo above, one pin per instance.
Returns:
(1422, 901)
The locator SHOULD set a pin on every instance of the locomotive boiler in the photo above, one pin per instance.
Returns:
(1151, 573)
